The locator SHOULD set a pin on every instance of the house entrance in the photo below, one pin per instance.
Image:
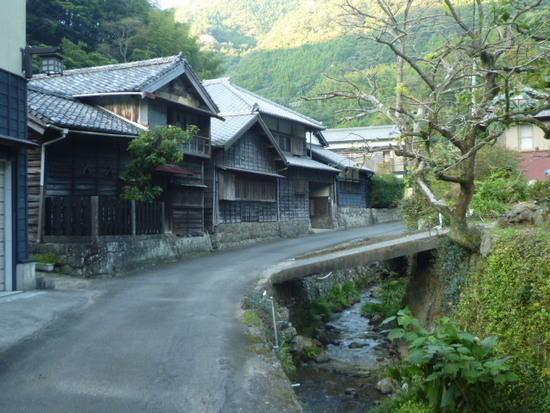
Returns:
(320, 205)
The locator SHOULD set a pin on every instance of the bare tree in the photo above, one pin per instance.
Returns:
(458, 97)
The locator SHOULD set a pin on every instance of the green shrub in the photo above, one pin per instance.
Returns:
(391, 299)
(539, 191)
(510, 296)
(285, 358)
(457, 371)
(386, 191)
(494, 194)
(416, 207)
(403, 402)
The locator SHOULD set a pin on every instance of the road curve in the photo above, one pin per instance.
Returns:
(166, 339)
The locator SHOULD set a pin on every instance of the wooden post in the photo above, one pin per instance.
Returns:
(162, 216)
(95, 216)
(133, 217)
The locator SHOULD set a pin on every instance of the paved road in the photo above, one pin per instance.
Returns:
(166, 339)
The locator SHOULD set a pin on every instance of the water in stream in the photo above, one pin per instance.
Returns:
(346, 383)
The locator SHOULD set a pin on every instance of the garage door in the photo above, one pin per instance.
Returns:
(2, 227)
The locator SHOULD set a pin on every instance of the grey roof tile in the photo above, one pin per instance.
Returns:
(332, 158)
(224, 132)
(232, 98)
(305, 162)
(125, 77)
(64, 111)
(360, 134)
(122, 78)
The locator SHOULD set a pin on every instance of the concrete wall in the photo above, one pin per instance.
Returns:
(249, 233)
(112, 255)
(348, 217)
(12, 35)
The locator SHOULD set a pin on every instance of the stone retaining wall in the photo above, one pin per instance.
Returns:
(249, 233)
(348, 217)
(118, 254)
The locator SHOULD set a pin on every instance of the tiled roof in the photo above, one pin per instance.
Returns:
(305, 162)
(143, 76)
(125, 77)
(360, 134)
(64, 111)
(224, 132)
(333, 158)
(232, 98)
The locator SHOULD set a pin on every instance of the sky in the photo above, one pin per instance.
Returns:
(166, 4)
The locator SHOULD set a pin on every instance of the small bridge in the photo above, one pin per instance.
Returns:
(351, 256)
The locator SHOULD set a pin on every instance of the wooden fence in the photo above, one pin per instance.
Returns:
(98, 216)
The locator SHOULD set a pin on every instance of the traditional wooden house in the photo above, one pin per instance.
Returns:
(84, 119)
(353, 181)
(16, 270)
(369, 146)
(262, 172)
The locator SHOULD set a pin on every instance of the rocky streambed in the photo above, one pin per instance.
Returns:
(344, 378)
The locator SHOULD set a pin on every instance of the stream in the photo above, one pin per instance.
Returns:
(346, 382)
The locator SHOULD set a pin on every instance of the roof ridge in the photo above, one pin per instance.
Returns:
(44, 91)
(116, 66)
(279, 105)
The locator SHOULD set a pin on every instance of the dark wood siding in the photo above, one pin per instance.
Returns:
(293, 201)
(250, 152)
(352, 193)
(244, 196)
(82, 165)
(13, 123)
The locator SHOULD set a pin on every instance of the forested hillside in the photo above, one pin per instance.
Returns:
(96, 32)
(287, 49)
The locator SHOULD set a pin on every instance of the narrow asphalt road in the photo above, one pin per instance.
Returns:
(166, 339)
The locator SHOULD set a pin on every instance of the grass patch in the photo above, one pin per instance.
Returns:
(251, 319)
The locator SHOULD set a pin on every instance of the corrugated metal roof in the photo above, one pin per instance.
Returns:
(360, 134)
(232, 98)
(64, 111)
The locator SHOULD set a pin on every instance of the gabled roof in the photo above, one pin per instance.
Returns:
(361, 134)
(64, 111)
(333, 159)
(144, 77)
(224, 134)
(232, 98)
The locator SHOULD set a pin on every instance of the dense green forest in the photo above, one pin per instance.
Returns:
(96, 32)
(290, 49)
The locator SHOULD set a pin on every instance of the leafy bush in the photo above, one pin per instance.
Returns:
(456, 369)
(386, 191)
(539, 191)
(391, 299)
(415, 207)
(491, 158)
(495, 193)
(510, 296)
(287, 361)
(338, 298)
(403, 402)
